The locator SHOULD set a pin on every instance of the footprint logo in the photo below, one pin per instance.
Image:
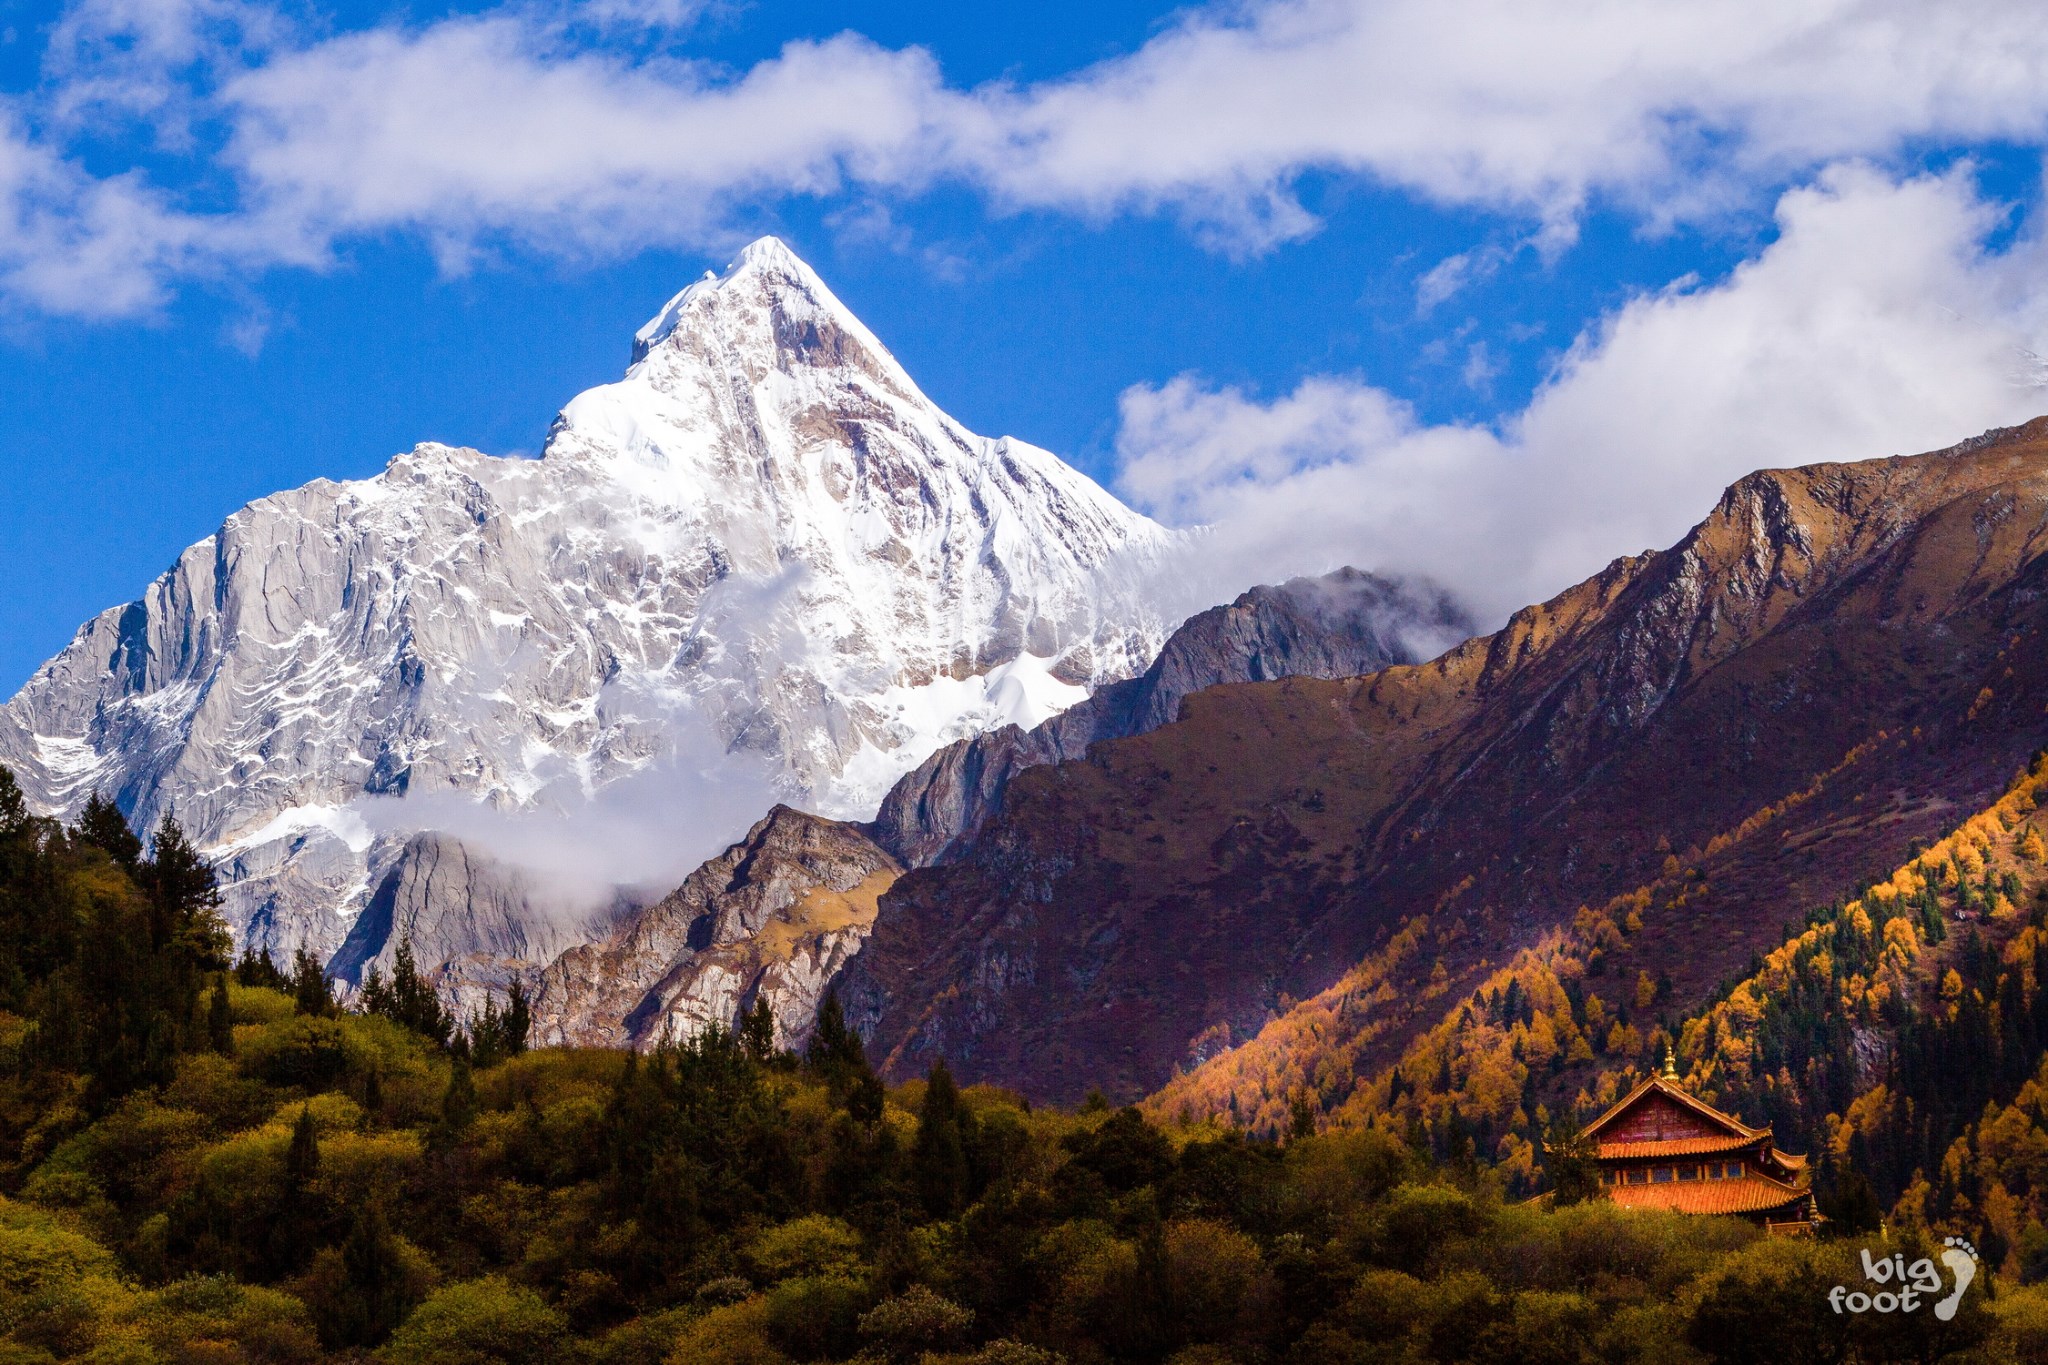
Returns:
(1961, 1259)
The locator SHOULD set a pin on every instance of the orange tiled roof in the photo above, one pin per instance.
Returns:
(1626, 1151)
(1677, 1092)
(1753, 1194)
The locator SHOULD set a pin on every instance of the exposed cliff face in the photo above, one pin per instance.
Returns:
(1123, 914)
(773, 917)
(477, 922)
(1340, 625)
(764, 554)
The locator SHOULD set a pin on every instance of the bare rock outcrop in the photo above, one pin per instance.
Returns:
(773, 917)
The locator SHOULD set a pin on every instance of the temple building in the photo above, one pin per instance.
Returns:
(1660, 1147)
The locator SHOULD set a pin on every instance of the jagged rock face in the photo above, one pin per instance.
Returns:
(1337, 626)
(1862, 649)
(659, 971)
(764, 554)
(481, 921)
(774, 917)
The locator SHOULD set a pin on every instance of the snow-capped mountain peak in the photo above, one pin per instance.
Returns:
(762, 564)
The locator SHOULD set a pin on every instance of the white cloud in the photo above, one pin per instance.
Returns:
(475, 127)
(1508, 104)
(531, 124)
(72, 243)
(1877, 323)
(650, 15)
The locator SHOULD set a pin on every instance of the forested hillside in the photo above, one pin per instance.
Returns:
(1838, 660)
(212, 1162)
(1897, 1035)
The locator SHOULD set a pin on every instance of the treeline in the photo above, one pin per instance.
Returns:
(215, 1162)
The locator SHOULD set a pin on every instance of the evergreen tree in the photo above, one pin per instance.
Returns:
(14, 816)
(184, 895)
(495, 1034)
(837, 1056)
(310, 992)
(757, 1030)
(294, 1225)
(1301, 1117)
(486, 1036)
(1849, 1204)
(375, 1292)
(375, 994)
(408, 998)
(939, 1160)
(517, 1021)
(302, 1158)
(458, 1101)
(259, 970)
(1571, 1159)
(102, 825)
(220, 1019)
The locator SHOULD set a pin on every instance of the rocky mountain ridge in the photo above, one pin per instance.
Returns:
(774, 917)
(763, 565)
(1340, 625)
(703, 954)
(1169, 895)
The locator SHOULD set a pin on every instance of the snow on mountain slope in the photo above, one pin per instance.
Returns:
(763, 565)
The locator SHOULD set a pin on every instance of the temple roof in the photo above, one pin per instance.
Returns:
(1707, 1124)
(1753, 1194)
(1701, 1146)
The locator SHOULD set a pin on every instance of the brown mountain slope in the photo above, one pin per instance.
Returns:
(1132, 913)
(1336, 626)
(772, 917)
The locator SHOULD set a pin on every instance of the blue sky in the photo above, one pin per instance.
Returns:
(1485, 291)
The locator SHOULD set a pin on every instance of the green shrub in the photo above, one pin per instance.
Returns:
(480, 1322)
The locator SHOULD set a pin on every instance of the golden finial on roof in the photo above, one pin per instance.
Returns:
(1670, 1072)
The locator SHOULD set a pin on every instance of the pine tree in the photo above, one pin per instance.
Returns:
(375, 1294)
(486, 1036)
(258, 969)
(837, 1057)
(408, 999)
(294, 1224)
(302, 1158)
(220, 1019)
(14, 816)
(517, 1021)
(1301, 1117)
(458, 1102)
(102, 825)
(310, 992)
(757, 1030)
(373, 1096)
(184, 895)
(939, 1160)
(1571, 1159)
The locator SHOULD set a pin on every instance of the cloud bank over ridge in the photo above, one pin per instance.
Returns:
(1882, 320)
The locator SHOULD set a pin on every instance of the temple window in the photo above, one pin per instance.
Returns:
(1663, 1175)
(1688, 1173)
